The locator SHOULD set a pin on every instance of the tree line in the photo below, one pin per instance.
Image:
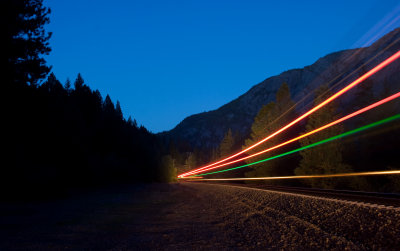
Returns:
(62, 137)
(59, 137)
(369, 151)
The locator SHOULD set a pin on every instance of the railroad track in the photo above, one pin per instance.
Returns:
(384, 199)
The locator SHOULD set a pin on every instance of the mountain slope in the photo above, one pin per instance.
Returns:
(337, 69)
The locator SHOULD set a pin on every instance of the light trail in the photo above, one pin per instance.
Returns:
(391, 172)
(335, 78)
(363, 128)
(365, 109)
(322, 104)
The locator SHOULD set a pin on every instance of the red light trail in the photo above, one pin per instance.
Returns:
(322, 104)
(321, 142)
(337, 77)
(365, 109)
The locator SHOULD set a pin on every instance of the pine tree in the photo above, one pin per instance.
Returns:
(130, 121)
(67, 85)
(283, 99)
(227, 143)
(24, 40)
(262, 126)
(269, 119)
(52, 84)
(324, 159)
(118, 110)
(78, 84)
(98, 98)
(108, 105)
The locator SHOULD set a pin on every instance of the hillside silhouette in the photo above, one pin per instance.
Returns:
(60, 138)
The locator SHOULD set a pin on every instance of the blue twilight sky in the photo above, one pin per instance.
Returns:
(165, 60)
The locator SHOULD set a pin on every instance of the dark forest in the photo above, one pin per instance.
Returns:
(58, 137)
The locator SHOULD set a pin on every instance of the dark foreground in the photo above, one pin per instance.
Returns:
(196, 217)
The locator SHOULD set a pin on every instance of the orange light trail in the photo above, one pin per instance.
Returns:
(365, 109)
(321, 142)
(391, 172)
(337, 77)
(327, 101)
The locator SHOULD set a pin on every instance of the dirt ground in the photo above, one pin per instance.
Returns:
(188, 216)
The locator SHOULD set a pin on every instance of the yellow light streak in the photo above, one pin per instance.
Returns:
(391, 172)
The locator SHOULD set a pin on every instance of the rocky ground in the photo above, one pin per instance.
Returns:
(189, 216)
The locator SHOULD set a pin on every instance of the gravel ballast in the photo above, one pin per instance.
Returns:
(282, 220)
(198, 216)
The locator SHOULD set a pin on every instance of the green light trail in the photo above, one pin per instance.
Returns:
(363, 128)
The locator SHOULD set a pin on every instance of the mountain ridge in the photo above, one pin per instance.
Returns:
(206, 129)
